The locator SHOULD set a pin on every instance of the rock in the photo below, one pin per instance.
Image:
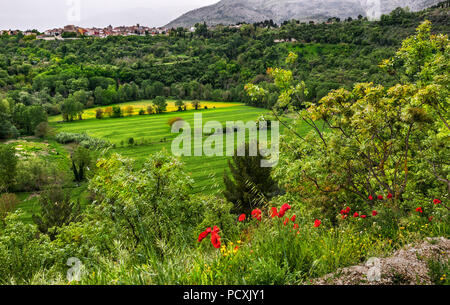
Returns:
(407, 266)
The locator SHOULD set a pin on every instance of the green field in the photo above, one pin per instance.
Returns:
(152, 133)
(143, 104)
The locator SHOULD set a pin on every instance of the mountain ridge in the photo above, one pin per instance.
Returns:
(228, 12)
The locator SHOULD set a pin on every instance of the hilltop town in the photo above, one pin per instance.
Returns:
(72, 31)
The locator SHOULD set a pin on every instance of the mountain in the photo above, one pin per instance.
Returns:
(235, 11)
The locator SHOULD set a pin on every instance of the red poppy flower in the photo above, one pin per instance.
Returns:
(363, 216)
(256, 213)
(344, 216)
(374, 213)
(285, 207)
(293, 218)
(356, 214)
(286, 220)
(204, 234)
(370, 197)
(242, 217)
(347, 210)
(317, 223)
(274, 212)
(389, 196)
(295, 226)
(436, 201)
(216, 229)
(215, 240)
(342, 212)
(380, 197)
(419, 209)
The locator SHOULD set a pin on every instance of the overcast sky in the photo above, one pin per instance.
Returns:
(46, 14)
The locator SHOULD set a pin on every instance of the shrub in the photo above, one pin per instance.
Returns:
(41, 130)
(108, 111)
(8, 164)
(57, 210)
(99, 113)
(23, 252)
(150, 109)
(141, 111)
(82, 139)
(116, 112)
(8, 203)
(34, 174)
(131, 141)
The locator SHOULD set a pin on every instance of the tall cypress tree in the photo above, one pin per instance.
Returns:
(249, 183)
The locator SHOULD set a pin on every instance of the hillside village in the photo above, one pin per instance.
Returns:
(72, 31)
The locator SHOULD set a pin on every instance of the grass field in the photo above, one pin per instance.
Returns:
(152, 134)
(138, 105)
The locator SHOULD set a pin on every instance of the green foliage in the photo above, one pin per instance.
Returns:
(34, 174)
(57, 210)
(8, 166)
(250, 185)
(8, 203)
(83, 139)
(160, 104)
(366, 142)
(19, 247)
(82, 160)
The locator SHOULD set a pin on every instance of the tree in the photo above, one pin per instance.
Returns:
(150, 109)
(250, 185)
(116, 112)
(160, 104)
(196, 104)
(57, 210)
(365, 142)
(71, 109)
(8, 165)
(180, 104)
(81, 160)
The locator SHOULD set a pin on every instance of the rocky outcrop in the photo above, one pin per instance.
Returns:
(408, 266)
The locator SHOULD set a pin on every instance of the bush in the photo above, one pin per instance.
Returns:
(57, 210)
(22, 252)
(8, 203)
(141, 111)
(99, 113)
(82, 139)
(8, 164)
(35, 174)
(41, 130)
(131, 141)
(116, 112)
